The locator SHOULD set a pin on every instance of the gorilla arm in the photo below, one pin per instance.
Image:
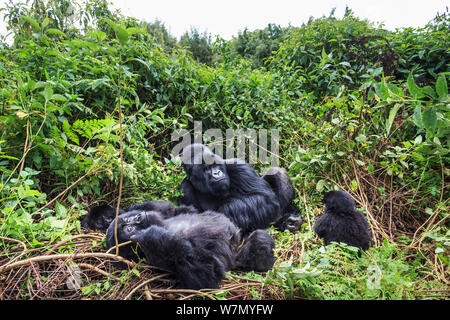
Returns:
(321, 226)
(250, 212)
(252, 204)
(192, 197)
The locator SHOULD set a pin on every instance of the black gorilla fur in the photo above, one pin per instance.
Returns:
(197, 249)
(137, 219)
(100, 217)
(281, 184)
(231, 187)
(342, 222)
(256, 253)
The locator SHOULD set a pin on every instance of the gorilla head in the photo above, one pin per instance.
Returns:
(99, 218)
(206, 170)
(339, 202)
(128, 224)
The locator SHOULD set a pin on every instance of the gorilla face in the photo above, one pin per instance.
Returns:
(131, 222)
(210, 179)
(339, 202)
(206, 170)
(142, 219)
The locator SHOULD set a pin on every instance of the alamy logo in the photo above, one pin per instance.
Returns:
(250, 145)
(73, 281)
(374, 276)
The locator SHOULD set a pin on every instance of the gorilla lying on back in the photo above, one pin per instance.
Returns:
(233, 188)
(342, 222)
(197, 248)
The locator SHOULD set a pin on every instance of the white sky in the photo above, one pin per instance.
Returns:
(227, 17)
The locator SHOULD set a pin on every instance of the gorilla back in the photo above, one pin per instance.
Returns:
(342, 222)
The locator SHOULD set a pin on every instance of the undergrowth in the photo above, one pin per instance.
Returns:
(359, 108)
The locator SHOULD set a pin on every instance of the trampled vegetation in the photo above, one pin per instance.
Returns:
(359, 108)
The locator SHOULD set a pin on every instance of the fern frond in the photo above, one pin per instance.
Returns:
(69, 133)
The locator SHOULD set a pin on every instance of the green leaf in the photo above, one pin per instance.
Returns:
(32, 22)
(157, 119)
(69, 133)
(60, 210)
(441, 86)
(417, 116)
(391, 117)
(324, 54)
(429, 91)
(47, 93)
(136, 272)
(415, 91)
(58, 97)
(320, 184)
(418, 139)
(429, 119)
(382, 90)
(55, 31)
(122, 35)
(354, 185)
(55, 223)
(134, 30)
(45, 22)
(394, 89)
(439, 250)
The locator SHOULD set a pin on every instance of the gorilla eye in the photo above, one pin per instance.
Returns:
(137, 218)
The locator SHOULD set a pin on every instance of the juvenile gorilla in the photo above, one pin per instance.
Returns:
(342, 222)
(256, 254)
(231, 187)
(197, 249)
(100, 217)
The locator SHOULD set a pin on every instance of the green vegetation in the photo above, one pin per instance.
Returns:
(359, 108)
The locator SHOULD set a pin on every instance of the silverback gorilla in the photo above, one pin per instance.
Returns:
(342, 222)
(197, 248)
(233, 188)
